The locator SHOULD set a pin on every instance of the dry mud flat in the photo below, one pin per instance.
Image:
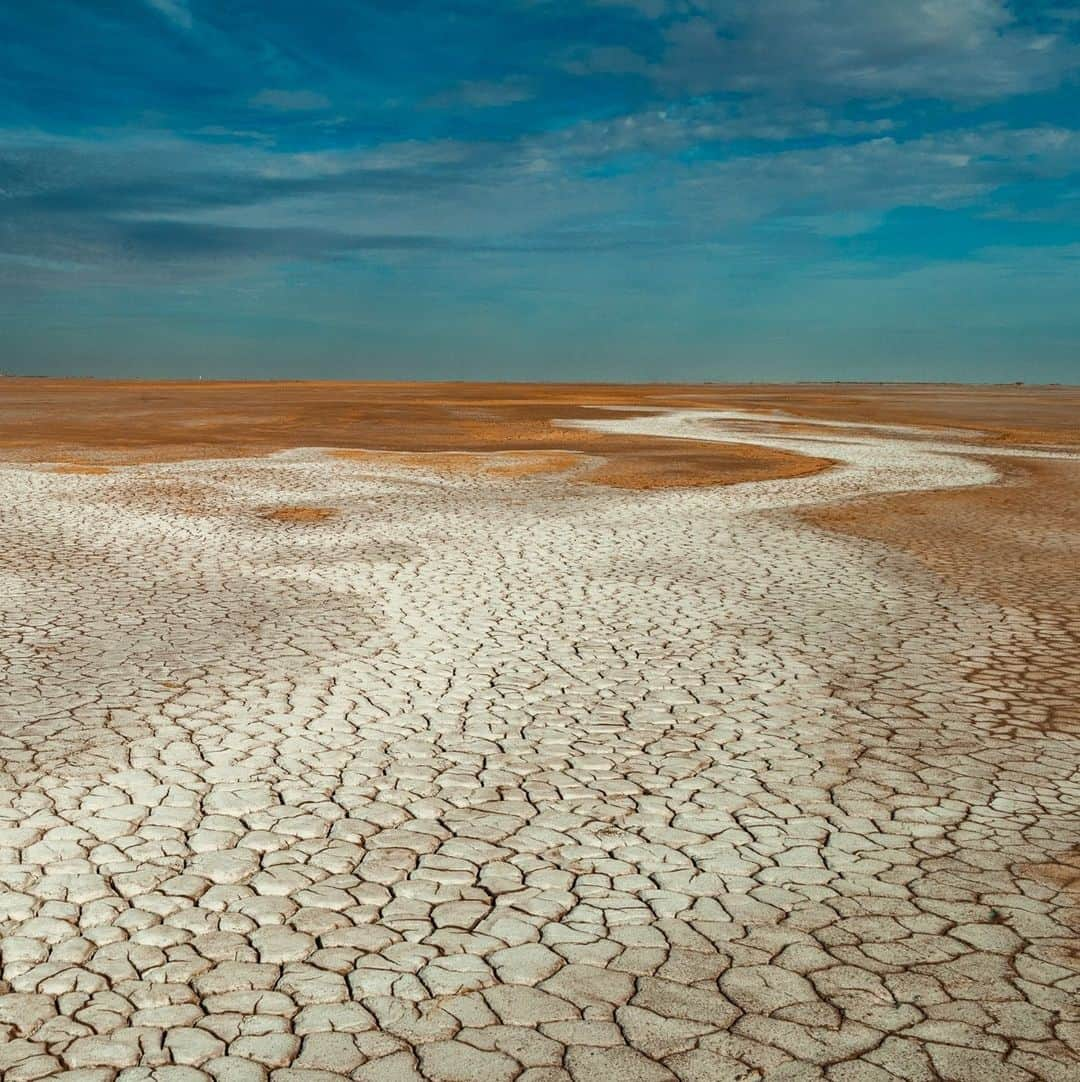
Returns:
(324, 768)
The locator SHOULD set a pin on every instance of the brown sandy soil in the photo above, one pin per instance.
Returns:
(1006, 414)
(1016, 543)
(103, 421)
(301, 515)
(1063, 874)
(85, 468)
(98, 421)
(136, 421)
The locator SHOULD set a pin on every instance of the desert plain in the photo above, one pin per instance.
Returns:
(539, 733)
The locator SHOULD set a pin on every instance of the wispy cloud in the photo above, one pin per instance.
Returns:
(177, 201)
(972, 50)
(176, 11)
(485, 94)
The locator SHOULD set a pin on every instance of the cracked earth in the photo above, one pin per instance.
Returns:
(322, 768)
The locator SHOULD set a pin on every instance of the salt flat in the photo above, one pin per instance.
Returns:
(493, 777)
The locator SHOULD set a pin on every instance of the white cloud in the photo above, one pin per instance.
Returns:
(79, 198)
(960, 50)
(675, 127)
(828, 189)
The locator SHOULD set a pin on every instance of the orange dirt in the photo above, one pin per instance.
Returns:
(1006, 413)
(43, 420)
(81, 467)
(1063, 874)
(305, 515)
(486, 464)
(1016, 543)
(50, 420)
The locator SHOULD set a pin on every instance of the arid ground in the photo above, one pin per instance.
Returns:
(521, 733)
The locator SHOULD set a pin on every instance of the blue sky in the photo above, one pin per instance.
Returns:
(649, 189)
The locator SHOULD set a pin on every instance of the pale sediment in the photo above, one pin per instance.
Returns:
(497, 777)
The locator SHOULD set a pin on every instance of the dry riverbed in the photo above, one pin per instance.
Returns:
(325, 759)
